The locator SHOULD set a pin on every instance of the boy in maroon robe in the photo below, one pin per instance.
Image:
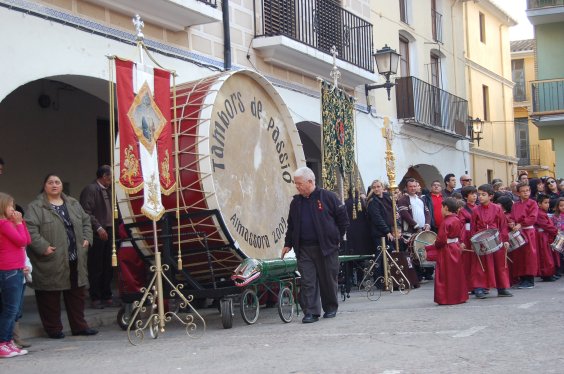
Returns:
(470, 195)
(450, 285)
(546, 232)
(524, 215)
(491, 270)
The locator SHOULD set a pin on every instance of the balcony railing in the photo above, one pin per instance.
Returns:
(320, 24)
(536, 4)
(420, 103)
(548, 96)
(529, 155)
(437, 23)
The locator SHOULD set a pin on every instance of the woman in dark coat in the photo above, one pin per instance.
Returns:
(60, 233)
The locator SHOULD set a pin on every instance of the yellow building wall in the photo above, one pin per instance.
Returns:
(546, 155)
(489, 64)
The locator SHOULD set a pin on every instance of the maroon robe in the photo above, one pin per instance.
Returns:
(465, 216)
(525, 258)
(546, 232)
(450, 285)
(495, 273)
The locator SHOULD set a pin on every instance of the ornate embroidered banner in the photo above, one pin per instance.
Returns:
(145, 133)
(337, 117)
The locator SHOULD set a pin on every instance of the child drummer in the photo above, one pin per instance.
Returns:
(524, 215)
(450, 285)
(470, 195)
(546, 232)
(491, 270)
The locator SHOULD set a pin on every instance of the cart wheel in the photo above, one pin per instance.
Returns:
(286, 304)
(154, 328)
(226, 307)
(249, 306)
(123, 318)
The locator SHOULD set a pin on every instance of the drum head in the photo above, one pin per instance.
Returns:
(254, 150)
(424, 238)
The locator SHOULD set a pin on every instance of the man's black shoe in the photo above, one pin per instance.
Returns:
(56, 335)
(549, 279)
(479, 294)
(86, 332)
(329, 314)
(310, 318)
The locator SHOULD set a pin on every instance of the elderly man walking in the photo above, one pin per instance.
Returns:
(316, 223)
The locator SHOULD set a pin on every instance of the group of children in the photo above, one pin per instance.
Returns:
(460, 271)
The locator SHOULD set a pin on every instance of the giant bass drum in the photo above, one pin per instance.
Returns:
(238, 148)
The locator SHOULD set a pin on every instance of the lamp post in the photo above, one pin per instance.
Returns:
(477, 129)
(387, 61)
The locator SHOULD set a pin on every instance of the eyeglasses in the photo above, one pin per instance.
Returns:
(550, 182)
(467, 180)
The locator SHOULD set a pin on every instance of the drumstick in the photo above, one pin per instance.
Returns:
(480, 260)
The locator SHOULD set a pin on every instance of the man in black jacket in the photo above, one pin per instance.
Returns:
(316, 223)
(96, 202)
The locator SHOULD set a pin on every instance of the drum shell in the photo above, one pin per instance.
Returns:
(558, 243)
(486, 242)
(417, 244)
(516, 240)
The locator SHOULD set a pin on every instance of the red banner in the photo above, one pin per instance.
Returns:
(130, 165)
(165, 145)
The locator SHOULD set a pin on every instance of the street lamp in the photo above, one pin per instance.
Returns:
(387, 60)
(477, 129)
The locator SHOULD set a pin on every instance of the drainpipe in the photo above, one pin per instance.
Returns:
(226, 36)
(505, 123)
(470, 88)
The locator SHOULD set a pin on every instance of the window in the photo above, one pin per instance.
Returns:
(490, 175)
(403, 10)
(404, 58)
(482, 27)
(435, 70)
(522, 141)
(486, 102)
(518, 75)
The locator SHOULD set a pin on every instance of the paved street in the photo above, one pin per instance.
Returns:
(396, 334)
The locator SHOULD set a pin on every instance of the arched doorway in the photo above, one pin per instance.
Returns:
(56, 124)
(423, 173)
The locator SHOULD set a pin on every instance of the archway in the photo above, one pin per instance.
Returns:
(423, 173)
(55, 124)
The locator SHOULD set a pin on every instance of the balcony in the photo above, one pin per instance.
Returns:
(548, 101)
(422, 104)
(437, 23)
(175, 15)
(299, 34)
(545, 11)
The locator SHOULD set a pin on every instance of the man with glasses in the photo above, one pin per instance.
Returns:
(465, 180)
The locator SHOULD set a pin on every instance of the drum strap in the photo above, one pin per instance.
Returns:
(527, 227)
(540, 230)
(453, 240)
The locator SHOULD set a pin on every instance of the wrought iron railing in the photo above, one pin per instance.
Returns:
(548, 96)
(320, 24)
(535, 4)
(212, 3)
(420, 103)
(437, 23)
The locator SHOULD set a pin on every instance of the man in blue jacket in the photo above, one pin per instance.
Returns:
(316, 223)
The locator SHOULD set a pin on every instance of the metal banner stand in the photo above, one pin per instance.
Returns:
(152, 301)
